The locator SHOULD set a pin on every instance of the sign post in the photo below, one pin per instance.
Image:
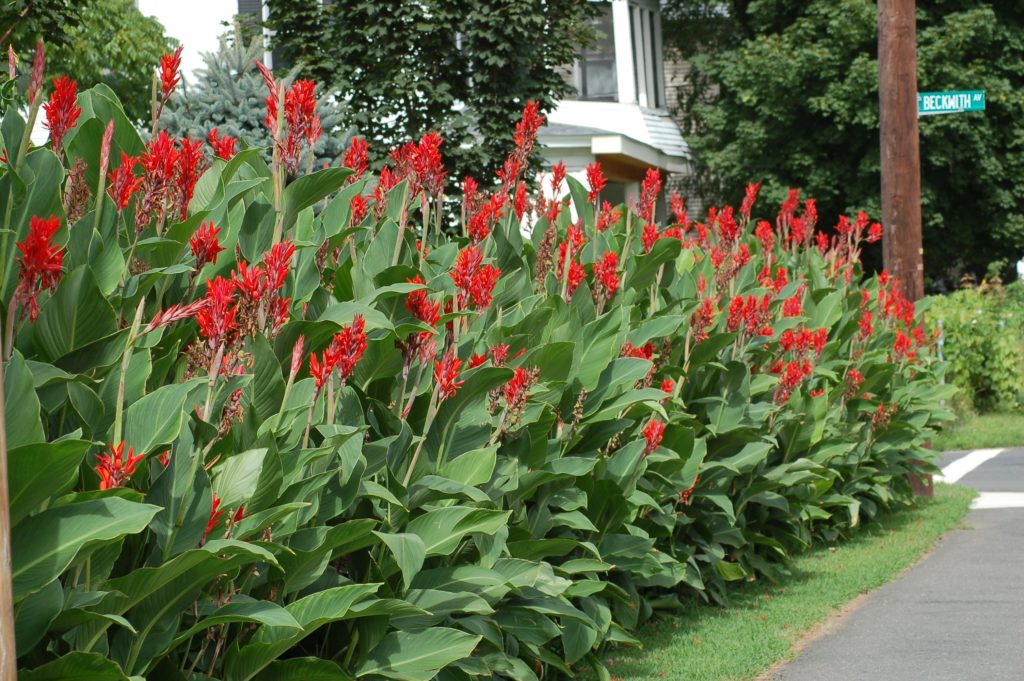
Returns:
(958, 101)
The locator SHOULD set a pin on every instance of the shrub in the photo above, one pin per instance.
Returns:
(983, 344)
(262, 430)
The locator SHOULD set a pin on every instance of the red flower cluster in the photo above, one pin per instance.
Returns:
(606, 278)
(752, 314)
(525, 138)
(649, 190)
(474, 280)
(204, 244)
(793, 374)
(446, 374)
(302, 125)
(802, 340)
(516, 392)
(596, 180)
(41, 263)
(702, 319)
(422, 165)
(218, 318)
(61, 110)
(215, 514)
(170, 72)
(358, 208)
(654, 431)
(749, 197)
(608, 217)
(122, 183)
(678, 208)
(684, 496)
(356, 158)
(342, 355)
(223, 145)
(114, 469)
(261, 305)
(482, 219)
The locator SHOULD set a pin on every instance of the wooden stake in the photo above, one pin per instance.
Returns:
(900, 155)
(8, 656)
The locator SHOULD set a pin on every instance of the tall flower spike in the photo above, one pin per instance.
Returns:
(348, 347)
(217, 320)
(61, 110)
(215, 514)
(204, 244)
(170, 72)
(356, 158)
(122, 182)
(446, 374)
(654, 431)
(35, 85)
(596, 180)
(41, 263)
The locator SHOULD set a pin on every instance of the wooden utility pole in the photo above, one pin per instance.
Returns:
(901, 163)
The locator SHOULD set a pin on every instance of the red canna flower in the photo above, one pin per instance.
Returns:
(654, 431)
(558, 172)
(476, 360)
(765, 235)
(649, 236)
(165, 458)
(516, 392)
(114, 469)
(170, 72)
(41, 263)
(215, 514)
(356, 158)
(358, 207)
(606, 278)
(61, 110)
(446, 374)
(223, 146)
(749, 198)
(702, 319)
(474, 280)
(347, 347)
(189, 157)
(668, 386)
(35, 84)
(499, 353)
(684, 496)
(875, 233)
(428, 166)
(297, 356)
(276, 262)
(649, 190)
(608, 217)
(818, 393)
(205, 245)
(217, 319)
(122, 182)
(596, 180)
(521, 202)
(793, 374)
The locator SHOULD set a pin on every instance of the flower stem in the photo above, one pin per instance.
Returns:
(125, 362)
(431, 413)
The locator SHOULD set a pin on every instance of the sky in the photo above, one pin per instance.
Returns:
(196, 24)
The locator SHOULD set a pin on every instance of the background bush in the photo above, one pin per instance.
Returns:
(983, 344)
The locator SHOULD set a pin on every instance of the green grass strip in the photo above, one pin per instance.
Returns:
(982, 431)
(764, 621)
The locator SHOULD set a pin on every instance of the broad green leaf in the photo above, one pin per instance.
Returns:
(35, 614)
(234, 480)
(259, 612)
(77, 666)
(41, 471)
(44, 545)
(77, 315)
(442, 529)
(409, 552)
(308, 189)
(471, 468)
(303, 669)
(311, 612)
(156, 419)
(21, 405)
(418, 656)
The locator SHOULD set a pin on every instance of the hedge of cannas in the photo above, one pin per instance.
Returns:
(266, 423)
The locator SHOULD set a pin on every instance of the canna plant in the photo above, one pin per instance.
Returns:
(267, 423)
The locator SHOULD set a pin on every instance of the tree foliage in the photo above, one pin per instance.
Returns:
(787, 92)
(94, 41)
(406, 67)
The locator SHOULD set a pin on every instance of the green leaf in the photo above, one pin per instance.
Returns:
(21, 405)
(471, 468)
(77, 315)
(303, 669)
(43, 546)
(311, 612)
(77, 666)
(409, 552)
(41, 471)
(442, 529)
(35, 614)
(308, 189)
(234, 480)
(260, 612)
(418, 656)
(156, 419)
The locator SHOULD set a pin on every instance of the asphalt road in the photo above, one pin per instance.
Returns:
(956, 616)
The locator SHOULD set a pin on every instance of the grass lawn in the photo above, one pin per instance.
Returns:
(765, 620)
(982, 431)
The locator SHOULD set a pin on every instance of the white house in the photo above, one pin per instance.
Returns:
(620, 115)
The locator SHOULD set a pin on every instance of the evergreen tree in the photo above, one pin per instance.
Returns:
(229, 94)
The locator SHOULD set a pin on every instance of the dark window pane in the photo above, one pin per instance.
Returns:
(595, 69)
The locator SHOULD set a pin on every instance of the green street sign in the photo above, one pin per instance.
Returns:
(959, 101)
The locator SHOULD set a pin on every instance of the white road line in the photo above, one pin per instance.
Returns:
(999, 500)
(966, 464)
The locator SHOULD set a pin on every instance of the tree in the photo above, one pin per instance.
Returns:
(94, 41)
(786, 92)
(229, 94)
(407, 67)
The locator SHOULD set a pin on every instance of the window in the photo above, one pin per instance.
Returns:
(594, 73)
(648, 69)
